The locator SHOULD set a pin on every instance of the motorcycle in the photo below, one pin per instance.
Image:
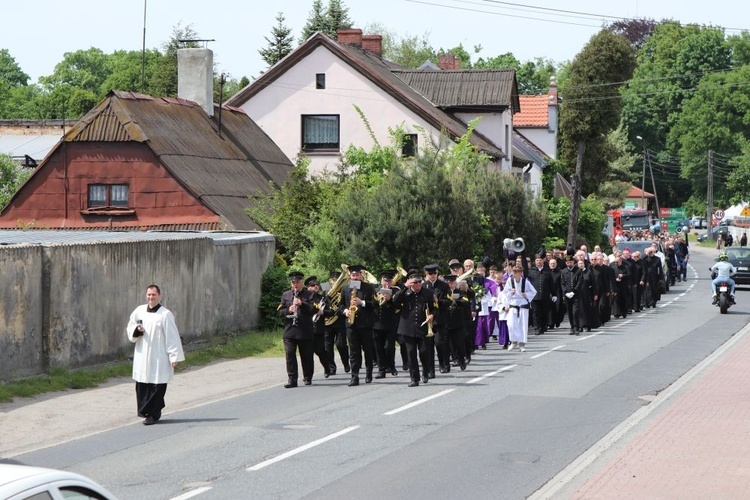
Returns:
(725, 301)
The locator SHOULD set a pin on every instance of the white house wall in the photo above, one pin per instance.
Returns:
(542, 138)
(492, 126)
(277, 109)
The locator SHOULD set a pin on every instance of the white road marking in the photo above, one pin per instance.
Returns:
(306, 447)
(193, 493)
(486, 375)
(625, 322)
(642, 315)
(419, 402)
(535, 356)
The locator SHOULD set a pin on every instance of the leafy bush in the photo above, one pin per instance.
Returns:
(275, 282)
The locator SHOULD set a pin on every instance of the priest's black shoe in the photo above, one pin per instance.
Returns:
(442, 369)
(424, 378)
(462, 365)
(308, 381)
(380, 375)
(368, 378)
(149, 420)
(290, 384)
(354, 381)
(327, 375)
(431, 374)
(414, 383)
(347, 368)
(394, 372)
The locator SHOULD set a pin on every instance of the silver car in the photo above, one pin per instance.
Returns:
(22, 482)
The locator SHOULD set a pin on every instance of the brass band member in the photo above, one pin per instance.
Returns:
(359, 309)
(455, 315)
(438, 343)
(335, 329)
(386, 324)
(297, 308)
(416, 306)
(319, 343)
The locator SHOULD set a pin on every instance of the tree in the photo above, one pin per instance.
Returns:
(316, 21)
(337, 18)
(590, 110)
(409, 51)
(280, 43)
(637, 31)
(165, 78)
(12, 176)
(125, 71)
(10, 71)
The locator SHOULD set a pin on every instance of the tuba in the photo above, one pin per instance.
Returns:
(400, 274)
(334, 294)
(468, 274)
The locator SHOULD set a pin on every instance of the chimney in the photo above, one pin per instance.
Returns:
(373, 43)
(448, 61)
(552, 105)
(350, 37)
(195, 77)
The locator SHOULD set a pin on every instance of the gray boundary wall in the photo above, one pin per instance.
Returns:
(68, 305)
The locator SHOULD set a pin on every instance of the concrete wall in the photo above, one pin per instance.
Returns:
(68, 305)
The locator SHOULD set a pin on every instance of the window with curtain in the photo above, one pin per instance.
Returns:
(320, 132)
(108, 195)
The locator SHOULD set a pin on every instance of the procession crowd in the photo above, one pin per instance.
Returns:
(451, 316)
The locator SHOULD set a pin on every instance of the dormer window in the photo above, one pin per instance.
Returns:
(320, 81)
(108, 195)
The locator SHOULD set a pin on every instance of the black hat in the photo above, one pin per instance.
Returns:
(334, 274)
(568, 258)
(431, 268)
(413, 276)
(356, 268)
(388, 274)
(311, 281)
(454, 263)
(450, 277)
(296, 276)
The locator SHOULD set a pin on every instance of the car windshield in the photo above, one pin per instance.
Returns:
(735, 253)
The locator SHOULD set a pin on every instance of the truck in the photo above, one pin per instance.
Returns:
(620, 220)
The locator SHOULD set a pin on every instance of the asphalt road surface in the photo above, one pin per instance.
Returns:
(501, 429)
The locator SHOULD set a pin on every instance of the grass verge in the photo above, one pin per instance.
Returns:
(253, 344)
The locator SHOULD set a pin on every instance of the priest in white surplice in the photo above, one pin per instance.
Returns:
(518, 294)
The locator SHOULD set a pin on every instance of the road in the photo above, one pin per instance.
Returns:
(501, 429)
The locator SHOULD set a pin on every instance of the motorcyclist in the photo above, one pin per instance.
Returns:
(724, 271)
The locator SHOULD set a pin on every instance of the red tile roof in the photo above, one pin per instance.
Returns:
(534, 111)
(635, 192)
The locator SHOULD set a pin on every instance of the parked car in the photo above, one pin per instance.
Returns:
(739, 257)
(640, 246)
(21, 482)
(697, 222)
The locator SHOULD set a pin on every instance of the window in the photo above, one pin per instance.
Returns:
(320, 81)
(108, 195)
(409, 146)
(320, 132)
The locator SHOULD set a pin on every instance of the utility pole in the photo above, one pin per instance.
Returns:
(653, 186)
(643, 181)
(143, 52)
(710, 195)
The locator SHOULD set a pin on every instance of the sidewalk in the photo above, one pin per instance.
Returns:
(29, 424)
(695, 445)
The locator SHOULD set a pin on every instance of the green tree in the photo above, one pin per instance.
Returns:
(316, 21)
(590, 110)
(165, 78)
(409, 51)
(280, 43)
(83, 69)
(125, 71)
(592, 219)
(10, 71)
(337, 18)
(716, 117)
(12, 176)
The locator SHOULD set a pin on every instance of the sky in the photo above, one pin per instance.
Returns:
(38, 33)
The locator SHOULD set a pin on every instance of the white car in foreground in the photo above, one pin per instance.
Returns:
(22, 482)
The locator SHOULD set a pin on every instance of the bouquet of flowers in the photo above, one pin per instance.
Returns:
(479, 291)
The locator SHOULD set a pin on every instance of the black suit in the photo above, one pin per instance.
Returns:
(359, 332)
(298, 333)
(442, 292)
(567, 282)
(541, 279)
(384, 331)
(413, 310)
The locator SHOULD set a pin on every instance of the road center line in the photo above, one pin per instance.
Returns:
(192, 493)
(535, 356)
(487, 375)
(306, 447)
(419, 402)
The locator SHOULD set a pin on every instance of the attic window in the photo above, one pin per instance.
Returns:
(108, 195)
(320, 80)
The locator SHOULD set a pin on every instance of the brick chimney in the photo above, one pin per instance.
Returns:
(350, 37)
(448, 61)
(195, 77)
(373, 43)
